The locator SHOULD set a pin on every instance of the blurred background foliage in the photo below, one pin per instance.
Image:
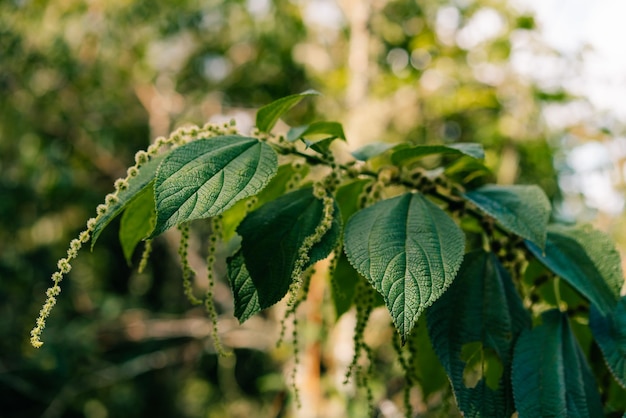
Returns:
(85, 84)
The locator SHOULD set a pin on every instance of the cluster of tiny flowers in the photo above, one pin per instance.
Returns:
(216, 235)
(332, 267)
(371, 193)
(188, 273)
(333, 180)
(177, 138)
(64, 266)
(303, 253)
(407, 366)
(145, 255)
(291, 313)
(265, 136)
(364, 301)
(296, 177)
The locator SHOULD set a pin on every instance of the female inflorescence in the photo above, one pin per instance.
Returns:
(188, 273)
(364, 301)
(216, 236)
(177, 138)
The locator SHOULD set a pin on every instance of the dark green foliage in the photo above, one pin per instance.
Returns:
(609, 332)
(522, 210)
(482, 307)
(272, 239)
(551, 376)
(409, 233)
(587, 261)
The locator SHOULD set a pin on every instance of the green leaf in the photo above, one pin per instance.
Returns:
(405, 155)
(468, 171)
(322, 146)
(473, 328)
(276, 187)
(245, 294)
(323, 132)
(428, 371)
(268, 115)
(609, 331)
(482, 364)
(137, 222)
(372, 150)
(273, 235)
(522, 210)
(205, 177)
(551, 377)
(135, 186)
(600, 249)
(347, 197)
(344, 281)
(320, 128)
(587, 260)
(409, 249)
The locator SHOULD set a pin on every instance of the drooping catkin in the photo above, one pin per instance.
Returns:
(177, 138)
(209, 303)
(188, 273)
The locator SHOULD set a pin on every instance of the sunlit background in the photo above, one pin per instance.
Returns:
(85, 84)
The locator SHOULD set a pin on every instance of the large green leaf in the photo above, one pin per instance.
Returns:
(268, 115)
(473, 326)
(587, 260)
(276, 187)
(405, 155)
(273, 235)
(523, 210)
(409, 249)
(135, 186)
(205, 177)
(245, 294)
(137, 221)
(551, 377)
(609, 331)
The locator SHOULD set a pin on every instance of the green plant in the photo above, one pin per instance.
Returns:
(416, 228)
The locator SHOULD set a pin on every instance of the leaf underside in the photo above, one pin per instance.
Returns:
(482, 308)
(137, 221)
(205, 177)
(409, 250)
